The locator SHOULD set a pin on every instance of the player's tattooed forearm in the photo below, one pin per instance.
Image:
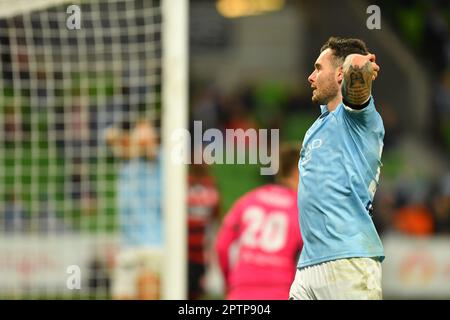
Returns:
(356, 77)
(357, 83)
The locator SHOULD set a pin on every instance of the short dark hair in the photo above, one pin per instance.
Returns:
(342, 47)
(289, 156)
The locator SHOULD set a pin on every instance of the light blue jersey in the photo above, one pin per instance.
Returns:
(339, 168)
(139, 192)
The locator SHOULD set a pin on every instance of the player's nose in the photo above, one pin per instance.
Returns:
(376, 67)
(311, 77)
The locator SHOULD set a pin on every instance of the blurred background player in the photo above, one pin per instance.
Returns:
(259, 240)
(203, 204)
(136, 274)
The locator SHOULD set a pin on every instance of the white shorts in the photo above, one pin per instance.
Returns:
(343, 279)
(137, 269)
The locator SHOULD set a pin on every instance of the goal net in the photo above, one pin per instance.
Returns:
(80, 164)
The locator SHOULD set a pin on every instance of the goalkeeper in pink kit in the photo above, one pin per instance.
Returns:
(259, 242)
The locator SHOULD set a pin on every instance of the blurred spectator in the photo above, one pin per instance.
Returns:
(414, 219)
(42, 86)
(77, 132)
(98, 278)
(206, 108)
(15, 217)
(20, 52)
(81, 189)
(436, 38)
(259, 241)
(203, 201)
(440, 204)
(441, 106)
(240, 117)
(412, 215)
(73, 137)
(12, 126)
(73, 134)
(139, 202)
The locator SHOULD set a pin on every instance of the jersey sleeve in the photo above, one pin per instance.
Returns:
(363, 118)
(228, 233)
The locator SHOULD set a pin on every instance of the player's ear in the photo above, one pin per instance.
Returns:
(340, 74)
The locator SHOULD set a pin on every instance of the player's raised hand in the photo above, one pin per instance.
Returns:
(360, 61)
(375, 67)
(359, 71)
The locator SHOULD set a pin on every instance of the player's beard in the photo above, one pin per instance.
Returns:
(327, 92)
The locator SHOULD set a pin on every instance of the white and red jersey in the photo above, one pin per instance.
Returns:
(203, 204)
(258, 244)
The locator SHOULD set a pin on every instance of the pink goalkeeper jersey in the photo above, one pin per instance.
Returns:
(259, 243)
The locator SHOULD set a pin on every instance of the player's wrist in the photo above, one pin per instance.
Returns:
(356, 106)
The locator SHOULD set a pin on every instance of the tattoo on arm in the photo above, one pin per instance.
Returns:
(357, 83)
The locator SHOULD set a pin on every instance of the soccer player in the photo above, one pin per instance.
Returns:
(136, 275)
(339, 170)
(259, 241)
(203, 210)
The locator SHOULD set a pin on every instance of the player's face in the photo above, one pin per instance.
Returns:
(324, 79)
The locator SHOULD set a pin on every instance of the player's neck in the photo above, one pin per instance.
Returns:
(333, 104)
